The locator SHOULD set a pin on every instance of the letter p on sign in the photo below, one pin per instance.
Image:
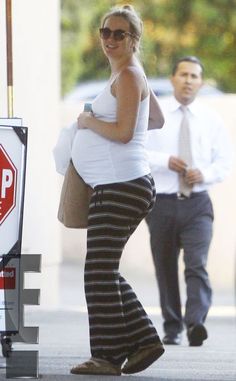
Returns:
(7, 179)
(8, 176)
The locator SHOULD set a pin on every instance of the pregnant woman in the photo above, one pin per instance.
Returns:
(108, 152)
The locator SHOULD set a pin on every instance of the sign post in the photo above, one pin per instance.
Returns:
(9, 58)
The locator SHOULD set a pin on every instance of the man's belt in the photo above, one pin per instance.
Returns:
(180, 196)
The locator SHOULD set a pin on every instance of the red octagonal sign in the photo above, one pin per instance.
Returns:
(8, 175)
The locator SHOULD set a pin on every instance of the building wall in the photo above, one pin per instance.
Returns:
(36, 77)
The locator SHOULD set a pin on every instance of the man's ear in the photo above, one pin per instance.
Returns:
(203, 83)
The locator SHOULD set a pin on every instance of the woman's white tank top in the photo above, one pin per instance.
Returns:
(102, 161)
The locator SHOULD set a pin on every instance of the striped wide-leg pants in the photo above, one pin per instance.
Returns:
(117, 321)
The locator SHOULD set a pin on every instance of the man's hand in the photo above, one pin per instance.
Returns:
(193, 176)
(177, 165)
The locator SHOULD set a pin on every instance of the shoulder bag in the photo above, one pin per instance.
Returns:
(74, 200)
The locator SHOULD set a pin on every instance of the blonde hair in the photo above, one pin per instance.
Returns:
(130, 15)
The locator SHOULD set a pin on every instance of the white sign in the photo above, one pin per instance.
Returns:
(13, 146)
(12, 177)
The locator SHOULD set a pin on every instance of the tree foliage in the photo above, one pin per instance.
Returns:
(172, 28)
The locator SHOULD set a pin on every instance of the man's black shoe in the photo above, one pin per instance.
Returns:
(172, 339)
(196, 335)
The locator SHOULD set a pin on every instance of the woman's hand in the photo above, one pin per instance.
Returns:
(82, 120)
(127, 89)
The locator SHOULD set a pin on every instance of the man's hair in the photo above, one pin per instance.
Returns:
(192, 59)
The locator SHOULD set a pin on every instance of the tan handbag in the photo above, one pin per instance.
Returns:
(74, 200)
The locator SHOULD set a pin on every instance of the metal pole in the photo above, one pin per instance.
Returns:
(9, 58)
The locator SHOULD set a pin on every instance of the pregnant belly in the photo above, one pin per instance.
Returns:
(89, 152)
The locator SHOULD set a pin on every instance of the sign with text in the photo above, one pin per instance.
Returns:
(8, 278)
(8, 175)
(13, 145)
(9, 294)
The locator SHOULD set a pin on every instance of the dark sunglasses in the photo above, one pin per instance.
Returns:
(118, 34)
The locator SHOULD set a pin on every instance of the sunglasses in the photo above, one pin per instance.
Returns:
(118, 34)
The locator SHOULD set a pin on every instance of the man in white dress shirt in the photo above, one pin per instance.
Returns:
(189, 154)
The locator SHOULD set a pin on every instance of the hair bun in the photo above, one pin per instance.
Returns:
(128, 7)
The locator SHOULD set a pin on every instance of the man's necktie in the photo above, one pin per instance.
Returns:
(185, 151)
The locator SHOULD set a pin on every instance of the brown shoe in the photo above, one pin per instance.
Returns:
(144, 357)
(97, 367)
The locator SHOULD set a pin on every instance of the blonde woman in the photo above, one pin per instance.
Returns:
(108, 152)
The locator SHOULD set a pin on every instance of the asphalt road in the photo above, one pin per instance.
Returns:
(64, 341)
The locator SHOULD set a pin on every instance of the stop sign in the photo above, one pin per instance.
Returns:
(8, 175)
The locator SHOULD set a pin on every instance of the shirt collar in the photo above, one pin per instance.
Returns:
(175, 105)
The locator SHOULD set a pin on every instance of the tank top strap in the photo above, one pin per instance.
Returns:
(146, 81)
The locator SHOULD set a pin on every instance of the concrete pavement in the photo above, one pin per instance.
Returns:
(64, 339)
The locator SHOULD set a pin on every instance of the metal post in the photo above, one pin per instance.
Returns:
(9, 58)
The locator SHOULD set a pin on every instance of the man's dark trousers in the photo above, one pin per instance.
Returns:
(174, 224)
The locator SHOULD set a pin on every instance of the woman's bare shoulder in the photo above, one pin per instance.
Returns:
(131, 71)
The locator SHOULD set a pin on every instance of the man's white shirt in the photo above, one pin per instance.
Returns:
(211, 149)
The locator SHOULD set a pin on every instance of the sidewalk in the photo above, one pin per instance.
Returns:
(64, 339)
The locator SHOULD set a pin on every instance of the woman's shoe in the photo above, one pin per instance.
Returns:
(141, 359)
(96, 366)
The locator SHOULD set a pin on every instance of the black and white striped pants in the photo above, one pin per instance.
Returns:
(118, 323)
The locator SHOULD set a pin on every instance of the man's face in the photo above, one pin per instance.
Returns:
(186, 81)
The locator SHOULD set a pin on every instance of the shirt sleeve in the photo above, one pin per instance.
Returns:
(221, 157)
(158, 161)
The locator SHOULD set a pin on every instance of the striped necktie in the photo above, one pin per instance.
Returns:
(185, 151)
